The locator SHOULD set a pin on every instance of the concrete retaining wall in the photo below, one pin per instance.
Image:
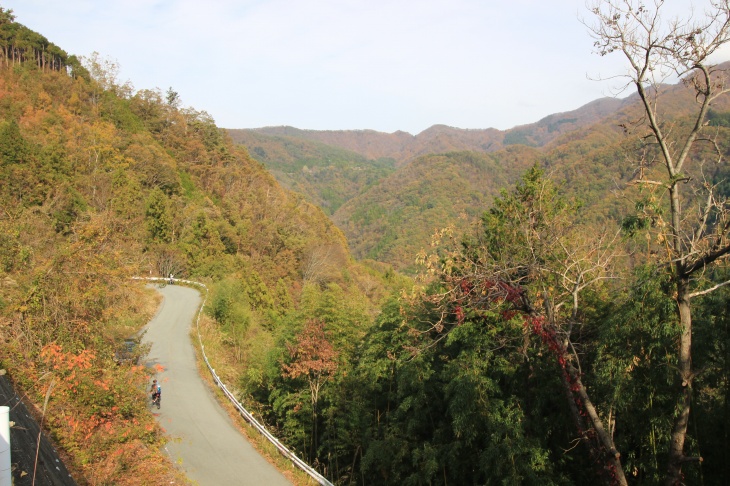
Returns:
(50, 470)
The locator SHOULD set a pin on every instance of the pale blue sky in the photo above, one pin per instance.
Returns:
(385, 65)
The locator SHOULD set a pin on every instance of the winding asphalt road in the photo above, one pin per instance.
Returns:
(205, 442)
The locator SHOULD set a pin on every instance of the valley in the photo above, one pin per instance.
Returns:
(540, 305)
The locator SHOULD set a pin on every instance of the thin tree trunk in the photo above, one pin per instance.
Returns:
(605, 440)
(679, 430)
(603, 448)
(726, 382)
(578, 421)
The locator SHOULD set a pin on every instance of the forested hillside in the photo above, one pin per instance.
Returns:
(395, 220)
(326, 175)
(402, 146)
(578, 333)
(391, 216)
(567, 324)
(543, 346)
(101, 183)
(331, 168)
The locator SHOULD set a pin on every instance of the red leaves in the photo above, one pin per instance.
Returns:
(57, 359)
(507, 315)
(312, 354)
(484, 293)
(548, 336)
(459, 311)
(494, 291)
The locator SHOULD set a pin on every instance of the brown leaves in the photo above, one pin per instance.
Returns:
(312, 355)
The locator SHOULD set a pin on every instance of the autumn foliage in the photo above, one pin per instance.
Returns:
(101, 183)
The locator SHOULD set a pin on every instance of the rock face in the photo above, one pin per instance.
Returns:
(50, 470)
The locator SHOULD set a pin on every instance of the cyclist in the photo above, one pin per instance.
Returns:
(156, 391)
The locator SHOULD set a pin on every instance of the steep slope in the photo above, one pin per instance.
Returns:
(555, 126)
(394, 220)
(100, 184)
(333, 169)
(326, 175)
(583, 149)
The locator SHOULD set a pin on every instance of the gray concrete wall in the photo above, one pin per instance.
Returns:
(50, 469)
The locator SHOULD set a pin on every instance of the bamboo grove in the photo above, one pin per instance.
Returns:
(577, 333)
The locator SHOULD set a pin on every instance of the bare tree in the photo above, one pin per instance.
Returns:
(323, 263)
(694, 235)
(169, 262)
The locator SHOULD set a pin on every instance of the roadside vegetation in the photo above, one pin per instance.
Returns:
(567, 336)
(102, 183)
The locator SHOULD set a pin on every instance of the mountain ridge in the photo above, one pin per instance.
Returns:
(384, 219)
(402, 146)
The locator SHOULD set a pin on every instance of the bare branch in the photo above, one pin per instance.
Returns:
(707, 291)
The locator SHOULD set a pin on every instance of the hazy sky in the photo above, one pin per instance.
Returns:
(385, 65)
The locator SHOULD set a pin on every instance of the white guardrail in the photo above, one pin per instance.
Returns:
(283, 450)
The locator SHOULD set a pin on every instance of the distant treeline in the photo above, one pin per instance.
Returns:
(19, 44)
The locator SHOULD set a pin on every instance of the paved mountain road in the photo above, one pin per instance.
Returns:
(205, 442)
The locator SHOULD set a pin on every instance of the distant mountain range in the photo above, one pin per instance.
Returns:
(389, 192)
(401, 146)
